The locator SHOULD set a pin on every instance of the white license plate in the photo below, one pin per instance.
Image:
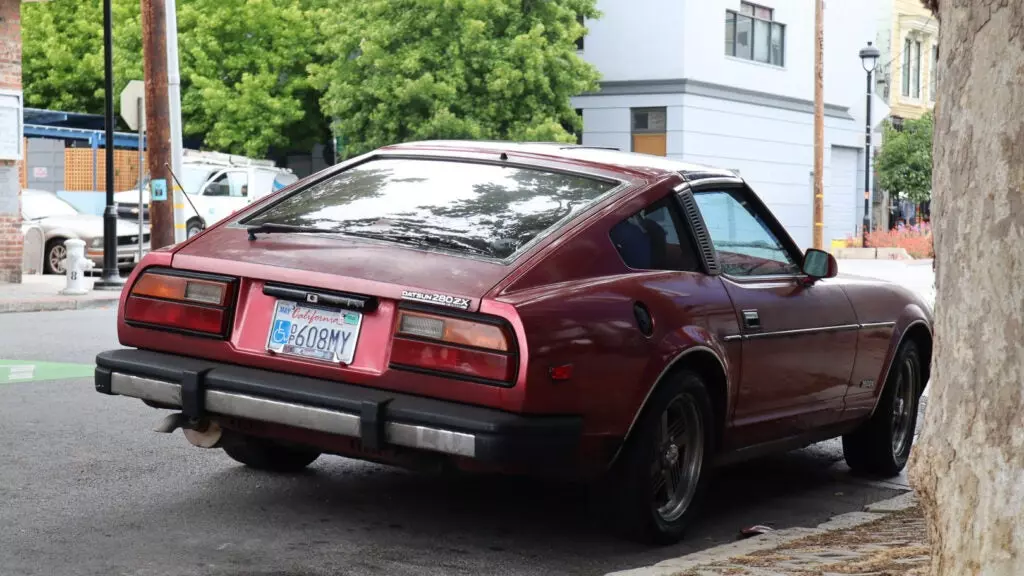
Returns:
(313, 332)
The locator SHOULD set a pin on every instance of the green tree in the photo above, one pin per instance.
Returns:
(244, 85)
(400, 70)
(904, 163)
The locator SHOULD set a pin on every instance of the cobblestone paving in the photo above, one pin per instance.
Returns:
(892, 546)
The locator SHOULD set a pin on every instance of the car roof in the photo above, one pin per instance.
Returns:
(36, 192)
(607, 158)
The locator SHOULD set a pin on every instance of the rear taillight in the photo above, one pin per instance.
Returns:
(197, 304)
(471, 349)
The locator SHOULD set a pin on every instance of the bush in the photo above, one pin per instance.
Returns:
(916, 239)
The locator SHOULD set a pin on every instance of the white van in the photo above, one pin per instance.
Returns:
(216, 186)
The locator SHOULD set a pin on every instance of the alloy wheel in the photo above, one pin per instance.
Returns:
(56, 257)
(678, 458)
(903, 406)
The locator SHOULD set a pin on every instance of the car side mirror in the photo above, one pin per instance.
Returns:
(820, 264)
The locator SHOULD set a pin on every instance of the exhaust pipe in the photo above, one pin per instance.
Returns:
(202, 433)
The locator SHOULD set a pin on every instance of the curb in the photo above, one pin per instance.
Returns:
(56, 304)
(771, 540)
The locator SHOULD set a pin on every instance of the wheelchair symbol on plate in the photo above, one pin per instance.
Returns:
(282, 328)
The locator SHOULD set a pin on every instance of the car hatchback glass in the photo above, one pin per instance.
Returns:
(471, 208)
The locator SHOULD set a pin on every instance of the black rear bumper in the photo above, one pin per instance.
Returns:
(378, 417)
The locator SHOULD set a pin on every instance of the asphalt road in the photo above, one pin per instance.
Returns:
(86, 488)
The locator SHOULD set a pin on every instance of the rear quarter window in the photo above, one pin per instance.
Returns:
(484, 210)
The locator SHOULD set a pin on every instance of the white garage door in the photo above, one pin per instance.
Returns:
(841, 195)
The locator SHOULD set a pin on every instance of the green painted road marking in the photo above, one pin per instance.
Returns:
(12, 371)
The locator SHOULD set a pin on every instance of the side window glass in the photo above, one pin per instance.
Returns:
(218, 187)
(655, 239)
(239, 182)
(745, 244)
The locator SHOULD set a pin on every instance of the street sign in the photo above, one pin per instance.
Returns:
(130, 97)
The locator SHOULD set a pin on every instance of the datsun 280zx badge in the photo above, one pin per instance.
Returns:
(441, 299)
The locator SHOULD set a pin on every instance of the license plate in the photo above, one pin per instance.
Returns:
(314, 332)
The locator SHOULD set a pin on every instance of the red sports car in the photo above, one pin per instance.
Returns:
(521, 308)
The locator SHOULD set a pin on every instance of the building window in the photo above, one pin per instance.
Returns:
(648, 131)
(579, 132)
(753, 34)
(579, 41)
(917, 70)
(911, 69)
(933, 72)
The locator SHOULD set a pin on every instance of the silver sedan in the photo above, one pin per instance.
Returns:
(60, 221)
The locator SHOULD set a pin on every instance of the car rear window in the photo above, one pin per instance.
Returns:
(484, 210)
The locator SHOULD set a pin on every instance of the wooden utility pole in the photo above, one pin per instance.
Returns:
(819, 125)
(158, 137)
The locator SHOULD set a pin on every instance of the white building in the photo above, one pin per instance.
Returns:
(731, 84)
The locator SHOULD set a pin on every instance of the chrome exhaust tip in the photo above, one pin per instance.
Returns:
(204, 434)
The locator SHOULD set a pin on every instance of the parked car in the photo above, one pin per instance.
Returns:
(523, 308)
(61, 221)
(217, 185)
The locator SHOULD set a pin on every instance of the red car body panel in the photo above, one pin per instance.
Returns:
(570, 301)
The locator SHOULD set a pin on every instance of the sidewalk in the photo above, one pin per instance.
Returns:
(39, 292)
(888, 539)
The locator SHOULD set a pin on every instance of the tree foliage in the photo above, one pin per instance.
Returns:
(904, 163)
(400, 70)
(244, 85)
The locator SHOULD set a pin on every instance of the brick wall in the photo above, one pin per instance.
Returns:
(10, 79)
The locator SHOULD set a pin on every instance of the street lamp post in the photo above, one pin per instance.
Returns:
(111, 279)
(869, 59)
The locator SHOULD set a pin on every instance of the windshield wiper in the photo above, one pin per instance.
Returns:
(276, 228)
(432, 240)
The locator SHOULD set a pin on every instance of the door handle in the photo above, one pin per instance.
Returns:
(751, 320)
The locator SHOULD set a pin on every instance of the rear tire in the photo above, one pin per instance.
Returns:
(881, 446)
(268, 455)
(658, 481)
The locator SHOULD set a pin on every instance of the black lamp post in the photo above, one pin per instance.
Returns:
(869, 59)
(111, 279)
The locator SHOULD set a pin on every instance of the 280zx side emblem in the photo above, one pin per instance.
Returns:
(440, 299)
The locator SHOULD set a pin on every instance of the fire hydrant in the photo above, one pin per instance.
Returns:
(75, 266)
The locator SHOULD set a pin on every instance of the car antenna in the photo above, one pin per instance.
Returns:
(178, 182)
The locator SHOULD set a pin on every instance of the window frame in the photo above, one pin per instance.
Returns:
(684, 226)
(933, 79)
(905, 68)
(916, 63)
(647, 109)
(776, 228)
(735, 15)
(579, 41)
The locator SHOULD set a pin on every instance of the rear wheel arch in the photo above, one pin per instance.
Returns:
(919, 333)
(709, 366)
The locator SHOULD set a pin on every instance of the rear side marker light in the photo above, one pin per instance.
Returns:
(178, 302)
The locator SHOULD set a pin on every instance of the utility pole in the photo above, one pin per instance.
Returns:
(819, 125)
(158, 138)
(174, 98)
